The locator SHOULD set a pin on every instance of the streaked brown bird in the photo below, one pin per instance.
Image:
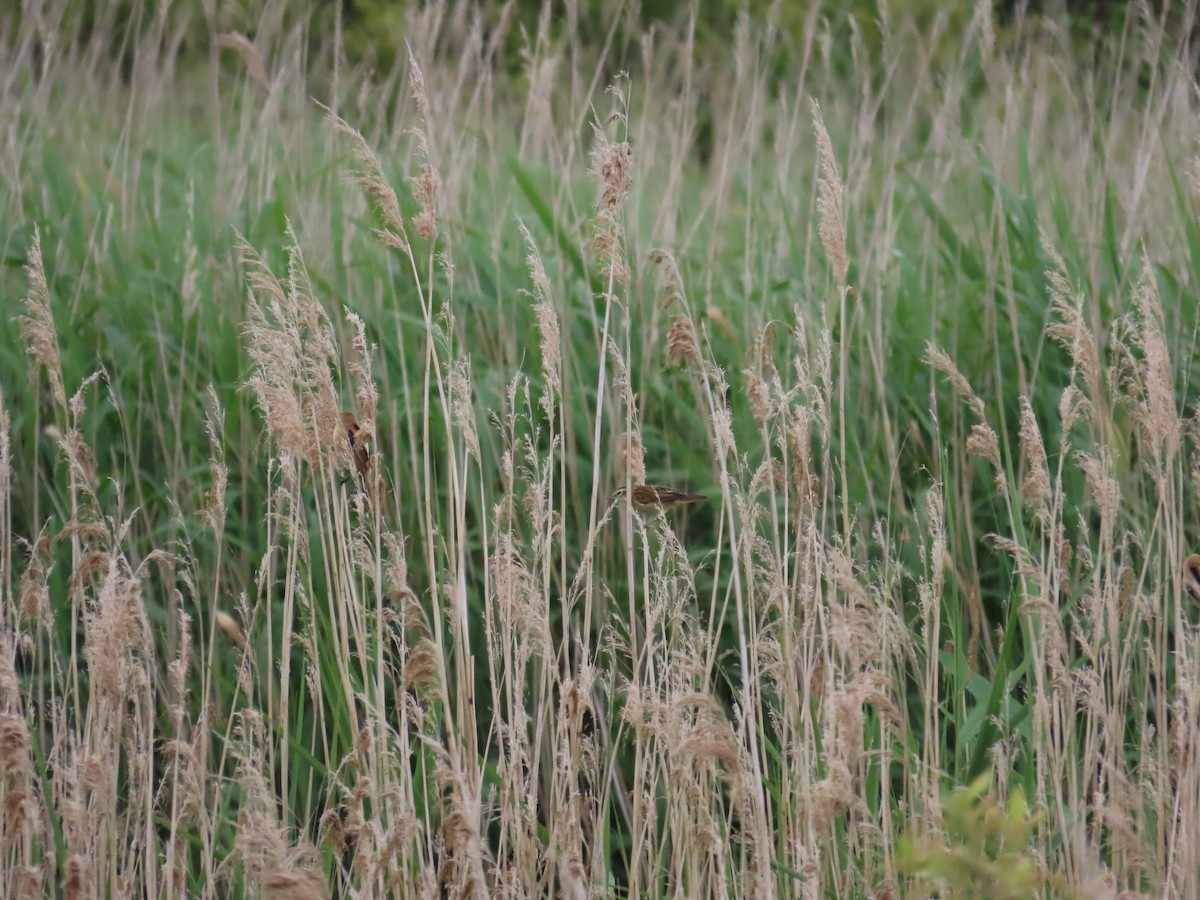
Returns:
(359, 443)
(1191, 576)
(653, 498)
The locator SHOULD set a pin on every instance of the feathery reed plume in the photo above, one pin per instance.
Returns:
(681, 342)
(214, 426)
(1035, 486)
(37, 327)
(547, 324)
(358, 364)
(937, 358)
(984, 443)
(251, 56)
(1070, 328)
(1161, 426)
(33, 596)
(425, 186)
(670, 286)
(261, 844)
(371, 181)
(611, 164)
(462, 412)
(829, 201)
(290, 341)
(631, 456)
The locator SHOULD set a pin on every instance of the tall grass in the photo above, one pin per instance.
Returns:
(914, 314)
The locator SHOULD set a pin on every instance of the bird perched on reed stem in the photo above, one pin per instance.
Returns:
(359, 450)
(1191, 576)
(653, 498)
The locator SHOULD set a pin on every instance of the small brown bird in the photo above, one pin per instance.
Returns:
(1191, 576)
(653, 498)
(359, 443)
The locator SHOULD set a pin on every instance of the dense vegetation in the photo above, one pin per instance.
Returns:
(910, 303)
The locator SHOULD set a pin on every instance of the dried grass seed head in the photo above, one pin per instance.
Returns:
(682, 346)
(612, 164)
(983, 443)
(941, 362)
(374, 184)
(1035, 486)
(1157, 412)
(37, 326)
(251, 56)
(830, 210)
(631, 458)
(670, 284)
(425, 187)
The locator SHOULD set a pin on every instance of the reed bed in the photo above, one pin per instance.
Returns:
(909, 304)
